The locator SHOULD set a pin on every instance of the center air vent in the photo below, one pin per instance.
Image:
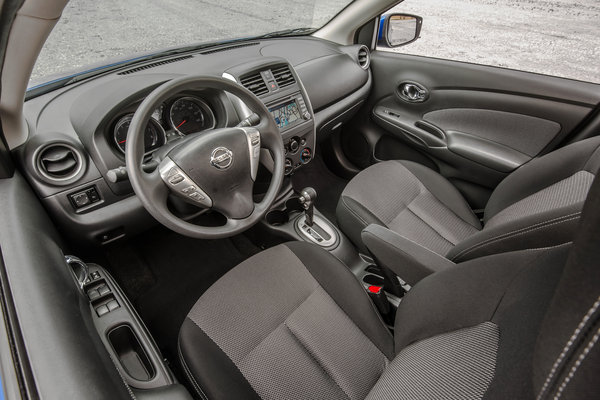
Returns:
(58, 162)
(283, 76)
(255, 84)
(364, 57)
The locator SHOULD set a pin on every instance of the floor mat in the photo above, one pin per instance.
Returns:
(329, 186)
(164, 273)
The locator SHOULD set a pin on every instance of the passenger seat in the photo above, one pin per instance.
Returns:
(415, 222)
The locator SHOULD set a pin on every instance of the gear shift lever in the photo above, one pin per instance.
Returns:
(307, 198)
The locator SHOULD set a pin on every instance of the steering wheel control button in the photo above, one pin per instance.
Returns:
(253, 136)
(182, 185)
(175, 179)
(196, 196)
(221, 158)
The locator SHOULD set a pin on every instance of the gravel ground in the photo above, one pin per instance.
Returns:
(554, 37)
(558, 37)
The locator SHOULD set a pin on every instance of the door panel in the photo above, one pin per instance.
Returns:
(474, 123)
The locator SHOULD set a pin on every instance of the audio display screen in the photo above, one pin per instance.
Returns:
(286, 114)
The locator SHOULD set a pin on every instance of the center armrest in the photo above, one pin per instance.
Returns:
(407, 259)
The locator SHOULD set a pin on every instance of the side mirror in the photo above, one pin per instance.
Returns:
(397, 30)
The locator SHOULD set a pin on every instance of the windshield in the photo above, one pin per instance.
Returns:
(94, 32)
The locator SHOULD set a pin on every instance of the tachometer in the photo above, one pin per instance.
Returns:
(190, 114)
(154, 136)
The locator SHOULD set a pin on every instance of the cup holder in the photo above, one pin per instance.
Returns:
(282, 217)
(373, 280)
(277, 217)
(293, 204)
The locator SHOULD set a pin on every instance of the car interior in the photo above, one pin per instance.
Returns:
(297, 217)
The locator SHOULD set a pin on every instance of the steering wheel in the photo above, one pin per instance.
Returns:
(215, 169)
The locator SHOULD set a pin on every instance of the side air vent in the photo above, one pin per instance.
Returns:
(226, 48)
(154, 64)
(283, 76)
(255, 84)
(364, 57)
(58, 162)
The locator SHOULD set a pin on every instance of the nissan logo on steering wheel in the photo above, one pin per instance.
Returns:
(221, 158)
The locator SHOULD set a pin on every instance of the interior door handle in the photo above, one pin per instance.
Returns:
(413, 92)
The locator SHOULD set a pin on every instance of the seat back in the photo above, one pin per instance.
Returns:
(538, 205)
(567, 354)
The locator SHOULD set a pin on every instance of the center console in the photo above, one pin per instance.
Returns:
(276, 83)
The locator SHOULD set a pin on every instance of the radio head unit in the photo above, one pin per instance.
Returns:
(289, 112)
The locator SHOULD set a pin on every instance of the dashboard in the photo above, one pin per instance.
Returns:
(74, 157)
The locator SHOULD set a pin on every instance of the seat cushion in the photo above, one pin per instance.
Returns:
(290, 322)
(409, 199)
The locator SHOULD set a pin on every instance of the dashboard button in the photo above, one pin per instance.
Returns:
(81, 199)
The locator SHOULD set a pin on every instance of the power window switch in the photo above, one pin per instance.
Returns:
(112, 305)
(95, 275)
(93, 294)
(103, 290)
(102, 310)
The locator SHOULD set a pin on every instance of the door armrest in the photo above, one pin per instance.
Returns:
(407, 259)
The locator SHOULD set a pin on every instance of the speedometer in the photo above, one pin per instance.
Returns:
(190, 114)
(154, 135)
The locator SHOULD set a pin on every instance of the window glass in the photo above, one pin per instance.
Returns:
(558, 37)
(99, 31)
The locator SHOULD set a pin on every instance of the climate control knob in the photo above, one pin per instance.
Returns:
(294, 145)
(306, 155)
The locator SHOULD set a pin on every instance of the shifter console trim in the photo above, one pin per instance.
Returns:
(312, 235)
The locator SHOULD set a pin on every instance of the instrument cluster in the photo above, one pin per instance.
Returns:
(180, 116)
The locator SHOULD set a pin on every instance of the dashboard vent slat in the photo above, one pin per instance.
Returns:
(255, 84)
(58, 162)
(283, 76)
(154, 64)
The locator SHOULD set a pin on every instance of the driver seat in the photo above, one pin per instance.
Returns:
(293, 322)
